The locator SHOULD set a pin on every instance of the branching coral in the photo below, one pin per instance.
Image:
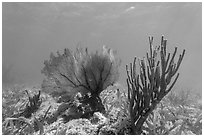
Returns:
(154, 80)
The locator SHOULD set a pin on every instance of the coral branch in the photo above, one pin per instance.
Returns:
(146, 89)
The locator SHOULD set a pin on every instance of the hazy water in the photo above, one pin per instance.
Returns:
(32, 30)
